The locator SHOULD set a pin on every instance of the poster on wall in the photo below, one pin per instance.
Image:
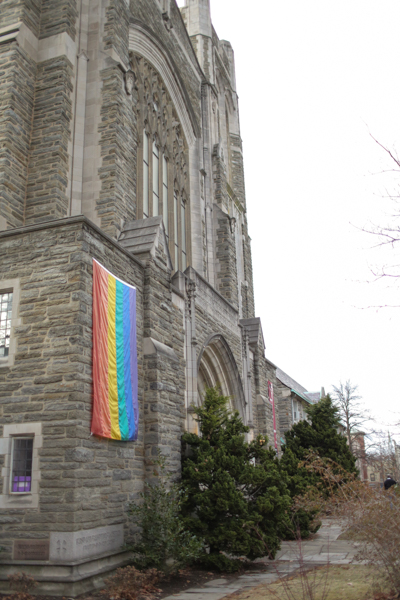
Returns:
(271, 399)
(115, 377)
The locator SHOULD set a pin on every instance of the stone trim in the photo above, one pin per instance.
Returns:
(84, 544)
(28, 499)
(70, 578)
(151, 346)
(64, 223)
(8, 285)
(191, 273)
(48, 48)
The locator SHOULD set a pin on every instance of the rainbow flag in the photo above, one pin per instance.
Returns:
(115, 379)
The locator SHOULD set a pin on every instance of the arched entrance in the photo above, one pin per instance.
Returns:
(216, 365)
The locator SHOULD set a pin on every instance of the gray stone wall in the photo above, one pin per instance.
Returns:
(285, 407)
(57, 17)
(116, 28)
(164, 367)
(85, 481)
(215, 315)
(116, 203)
(16, 107)
(225, 248)
(48, 165)
(265, 371)
(27, 11)
(237, 167)
(247, 287)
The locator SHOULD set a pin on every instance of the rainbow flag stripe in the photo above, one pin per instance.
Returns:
(115, 379)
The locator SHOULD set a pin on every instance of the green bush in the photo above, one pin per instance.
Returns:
(237, 499)
(318, 435)
(163, 541)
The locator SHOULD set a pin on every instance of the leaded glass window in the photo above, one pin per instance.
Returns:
(165, 194)
(21, 469)
(145, 174)
(176, 230)
(5, 323)
(295, 411)
(163, 162)
(183, 235)
(156, 185)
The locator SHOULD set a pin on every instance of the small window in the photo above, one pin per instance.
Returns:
(372, 476)
(5, 322)
(21, 465)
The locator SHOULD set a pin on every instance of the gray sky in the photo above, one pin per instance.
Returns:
(314, 78)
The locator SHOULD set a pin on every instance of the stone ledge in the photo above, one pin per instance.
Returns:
(66, 579)
(64, 223)
(151, 346)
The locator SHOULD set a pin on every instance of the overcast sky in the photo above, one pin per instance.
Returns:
(314, 78)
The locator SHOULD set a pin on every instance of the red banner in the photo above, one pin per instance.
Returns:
(271, 399)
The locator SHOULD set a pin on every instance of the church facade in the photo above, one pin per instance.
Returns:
(120, 142)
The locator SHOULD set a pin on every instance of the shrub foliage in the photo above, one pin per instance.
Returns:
(318, 435)
(163, 541)
(237, 499)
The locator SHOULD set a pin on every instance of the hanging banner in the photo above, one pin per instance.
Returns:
(271, 399)
(115, 378)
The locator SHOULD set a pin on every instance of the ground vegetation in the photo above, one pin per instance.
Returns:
(162, 542)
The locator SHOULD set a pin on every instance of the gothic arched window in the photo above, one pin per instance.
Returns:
(162, 151)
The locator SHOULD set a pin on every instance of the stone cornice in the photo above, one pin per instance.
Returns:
(16, 231)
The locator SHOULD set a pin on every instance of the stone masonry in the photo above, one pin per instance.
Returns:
(120, 142)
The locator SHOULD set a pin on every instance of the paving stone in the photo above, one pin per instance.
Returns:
(330, 557)
(202, 595)
(210, 590)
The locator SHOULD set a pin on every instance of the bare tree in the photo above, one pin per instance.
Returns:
(388, 235)
(383, 457)
(351, 411)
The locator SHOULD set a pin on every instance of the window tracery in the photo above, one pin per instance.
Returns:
(163, 179)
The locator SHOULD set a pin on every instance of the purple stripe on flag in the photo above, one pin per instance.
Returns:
(133, 350)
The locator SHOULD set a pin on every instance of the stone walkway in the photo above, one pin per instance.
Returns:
(323, 548)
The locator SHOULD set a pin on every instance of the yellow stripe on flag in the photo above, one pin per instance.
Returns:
(112, 361)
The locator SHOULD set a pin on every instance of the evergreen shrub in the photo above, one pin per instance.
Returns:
(320, 435)
(237, 499)
(163, 542)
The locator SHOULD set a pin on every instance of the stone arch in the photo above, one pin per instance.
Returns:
(144, 44)
(216, 365)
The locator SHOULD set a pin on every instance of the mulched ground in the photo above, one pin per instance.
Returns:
(171, 585)
(185, 579)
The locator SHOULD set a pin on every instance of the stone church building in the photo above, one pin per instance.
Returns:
(120, 142)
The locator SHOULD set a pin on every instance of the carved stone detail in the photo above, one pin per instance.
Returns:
(158, 117)
(129, 82)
